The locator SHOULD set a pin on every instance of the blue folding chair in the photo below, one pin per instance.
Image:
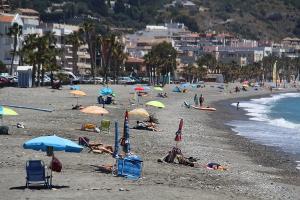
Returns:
(35, 171)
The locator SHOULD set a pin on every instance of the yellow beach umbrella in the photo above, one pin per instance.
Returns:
(78, 93)
(155, 104)
(139, 112)
(7, 111)
(94, 110)
(158, 89)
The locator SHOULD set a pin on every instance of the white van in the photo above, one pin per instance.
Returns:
(73, 79)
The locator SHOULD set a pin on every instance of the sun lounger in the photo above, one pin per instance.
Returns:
(35, 173)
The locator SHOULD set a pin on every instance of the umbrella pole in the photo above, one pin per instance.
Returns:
(51, 171)
(77, 101)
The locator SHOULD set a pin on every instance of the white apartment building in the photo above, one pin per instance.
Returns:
(6, 42)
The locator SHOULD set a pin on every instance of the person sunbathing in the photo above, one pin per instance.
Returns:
(145, 126)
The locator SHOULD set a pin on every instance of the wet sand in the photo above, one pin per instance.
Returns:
(254, 171)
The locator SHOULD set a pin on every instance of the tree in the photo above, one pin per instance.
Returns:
(75, 40)
(29, 51)
(119, 6)
(163, 55)
(118, 58)
(89, 37)
(15, 31)
(208, 60)
(2, 67)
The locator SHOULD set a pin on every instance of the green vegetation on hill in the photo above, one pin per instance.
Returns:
(255, 19)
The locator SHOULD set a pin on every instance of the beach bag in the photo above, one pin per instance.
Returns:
(4, 130)
(55, 165)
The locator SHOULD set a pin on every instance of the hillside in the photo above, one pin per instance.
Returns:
(256, 19)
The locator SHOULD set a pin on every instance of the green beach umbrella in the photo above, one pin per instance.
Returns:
(155, 104)
(158, 89)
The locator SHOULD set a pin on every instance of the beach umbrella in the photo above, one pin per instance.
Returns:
(106, 91)
(141, 112)
(78, 93)
(178, 136)
(94, 110)
(185, 85)
(55, 143)
(74, 87)
(158, 89)
(245, 85)
(139, 88)
(155, 104)
(7, 111)
(125, 139)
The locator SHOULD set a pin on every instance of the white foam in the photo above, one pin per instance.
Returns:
(258, 110)
(298, 165)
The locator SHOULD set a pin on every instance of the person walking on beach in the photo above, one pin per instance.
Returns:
(201, 100)
(196, 100)
(237, 105)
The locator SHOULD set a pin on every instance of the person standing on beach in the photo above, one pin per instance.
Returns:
(196, 100)
(201, 99)
(237, 105)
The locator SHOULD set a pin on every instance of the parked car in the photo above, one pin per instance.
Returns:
(4, 81)
(126, 80)
(97, 80)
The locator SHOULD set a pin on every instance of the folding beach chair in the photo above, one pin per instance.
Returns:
(105, 126)
(35, 171)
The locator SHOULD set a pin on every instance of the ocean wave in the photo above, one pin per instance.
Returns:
(258, 110)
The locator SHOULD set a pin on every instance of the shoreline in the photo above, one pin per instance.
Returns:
(260, 154)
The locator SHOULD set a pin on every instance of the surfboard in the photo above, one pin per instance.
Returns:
(204, 108)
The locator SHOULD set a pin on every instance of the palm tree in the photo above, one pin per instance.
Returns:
(118, 58)
(88, 31)
(75, 40)
(30, 53)
(15, 31)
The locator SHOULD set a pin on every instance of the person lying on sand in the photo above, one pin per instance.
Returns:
(77, 107)
(145, 126)
(176, 154)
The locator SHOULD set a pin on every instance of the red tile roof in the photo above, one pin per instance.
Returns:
(6, 18)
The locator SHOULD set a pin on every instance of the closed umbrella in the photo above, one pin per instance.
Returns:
(140, 112)
(178, 137)
(155, 104)
(125, 139)
(55, 143)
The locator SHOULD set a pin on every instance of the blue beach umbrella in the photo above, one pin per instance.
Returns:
(185, 85)
(106, 91)
(74, 87)
(58, 144)
(44, 143)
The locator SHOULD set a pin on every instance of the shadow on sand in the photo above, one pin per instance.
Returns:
(38, 187)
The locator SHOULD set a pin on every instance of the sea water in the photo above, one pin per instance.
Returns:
(273, 121)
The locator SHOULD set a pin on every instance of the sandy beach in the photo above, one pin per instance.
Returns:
(254, 171)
